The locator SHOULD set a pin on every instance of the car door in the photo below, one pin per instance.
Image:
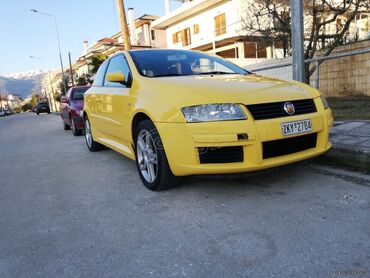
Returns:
(92, 102)
(65, 108)
(116, 101)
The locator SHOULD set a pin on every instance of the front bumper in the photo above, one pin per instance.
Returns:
(182, 140)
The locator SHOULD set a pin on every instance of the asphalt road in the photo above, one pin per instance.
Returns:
(67, 212)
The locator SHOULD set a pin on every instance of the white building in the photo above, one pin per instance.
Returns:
(217, 26)
(10, 101)
(211, 25)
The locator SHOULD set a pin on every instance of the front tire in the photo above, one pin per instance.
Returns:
(151, 160)
(92, 145)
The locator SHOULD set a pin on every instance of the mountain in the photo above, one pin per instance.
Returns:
(21, 83)
(25, 75)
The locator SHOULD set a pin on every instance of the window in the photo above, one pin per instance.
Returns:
(176, 37)
(339, 24)
(181, 62)
(117, 64)
(186, 37)
(196, 29)
(152, 32)
(220, 24)
(183, 36)
(99, 77)
(78, 93)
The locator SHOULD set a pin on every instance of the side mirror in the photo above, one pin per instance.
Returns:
(116, 77)
(63, 99)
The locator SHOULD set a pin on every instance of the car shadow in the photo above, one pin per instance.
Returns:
(276, 180)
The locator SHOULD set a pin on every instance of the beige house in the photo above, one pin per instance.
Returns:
(142, 35)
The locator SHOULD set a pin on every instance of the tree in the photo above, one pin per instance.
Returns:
(34, 99)
(84, 79)
(66, 80)
(324, 14)
(96, 61)
(270, 19)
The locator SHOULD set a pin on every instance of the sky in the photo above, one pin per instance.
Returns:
(24, 33)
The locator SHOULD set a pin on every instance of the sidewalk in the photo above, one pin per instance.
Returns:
(351, 144)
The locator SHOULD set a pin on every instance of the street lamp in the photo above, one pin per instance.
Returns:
(60, 52)
(51, 99)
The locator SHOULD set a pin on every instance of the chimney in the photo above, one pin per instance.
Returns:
(86, 42)
(131, 18)
(168, 6)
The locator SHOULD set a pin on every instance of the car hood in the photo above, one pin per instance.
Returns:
(77, 105)
(245, 89)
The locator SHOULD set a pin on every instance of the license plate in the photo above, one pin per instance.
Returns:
(296, 127)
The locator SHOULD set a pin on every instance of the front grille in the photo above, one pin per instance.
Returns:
(276, 109)
(221, 154)
(289, 145)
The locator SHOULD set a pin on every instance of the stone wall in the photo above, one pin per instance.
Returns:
(346, 76)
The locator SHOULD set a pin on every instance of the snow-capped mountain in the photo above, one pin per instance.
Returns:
(25, 75)
(21, 83)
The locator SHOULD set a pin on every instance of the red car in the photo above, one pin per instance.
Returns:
(71, 109)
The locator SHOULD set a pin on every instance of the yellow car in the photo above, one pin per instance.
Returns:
(179, 113)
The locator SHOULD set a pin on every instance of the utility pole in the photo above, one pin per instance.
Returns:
(70, 68)
(123, 21)
(297, 40)
(58, 41)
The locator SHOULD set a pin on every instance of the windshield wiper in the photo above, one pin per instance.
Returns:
(216, 72)
(170, 74)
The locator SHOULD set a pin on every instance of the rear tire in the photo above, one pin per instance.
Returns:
(75, 130)
(65, 126)
(92, 145)
(151, 160)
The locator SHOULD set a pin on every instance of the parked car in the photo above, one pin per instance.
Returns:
(71, 109)
(2, 112)
(42, 107)
(8, 111)
(179, 113)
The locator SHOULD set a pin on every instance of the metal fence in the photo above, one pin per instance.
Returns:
(282, 68)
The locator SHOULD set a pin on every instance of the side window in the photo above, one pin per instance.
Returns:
(117, 64)
(68, 95)
(99, 77)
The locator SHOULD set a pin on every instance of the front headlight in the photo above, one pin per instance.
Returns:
(213, 112)
(324, 102)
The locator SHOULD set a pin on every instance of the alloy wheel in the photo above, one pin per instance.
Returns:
(147, 156)
(88, 135)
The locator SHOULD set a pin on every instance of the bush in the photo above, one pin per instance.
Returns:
(27, 107)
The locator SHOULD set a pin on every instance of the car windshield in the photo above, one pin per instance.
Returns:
(78, 93)
(158, 63)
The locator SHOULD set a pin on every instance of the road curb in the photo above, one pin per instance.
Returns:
(343, 156)
(356, 177)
